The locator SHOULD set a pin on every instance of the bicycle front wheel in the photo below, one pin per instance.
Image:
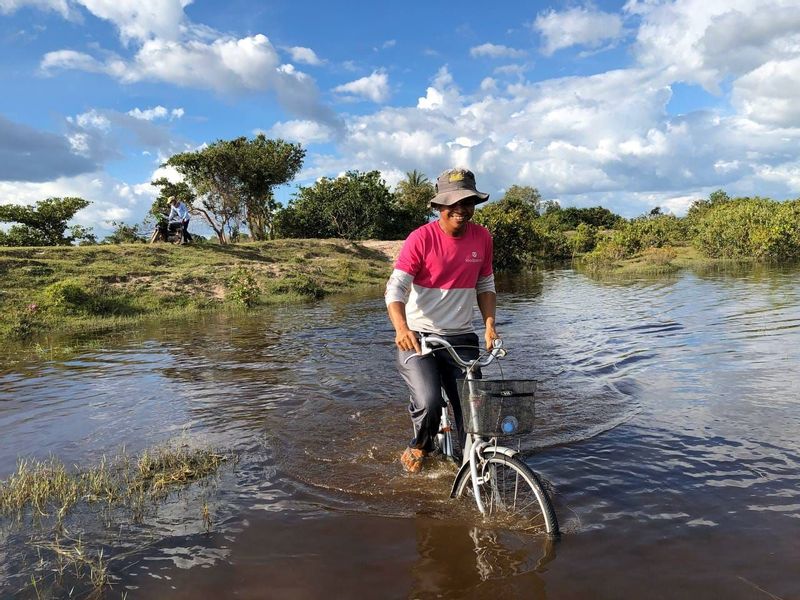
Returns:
(511, 493)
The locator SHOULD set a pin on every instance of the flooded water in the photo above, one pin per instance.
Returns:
(668, 427)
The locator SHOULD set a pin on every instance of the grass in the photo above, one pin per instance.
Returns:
(40, 495)
(651, 262)
(46, 488)
(99, 289)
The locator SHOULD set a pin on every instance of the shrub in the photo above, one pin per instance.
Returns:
(585, 238)
(606, 254)
(68, 293)
(303, 285)
(659, 257)
(243, 288)
(750, 227)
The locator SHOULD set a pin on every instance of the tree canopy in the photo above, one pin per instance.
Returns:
(414, 195)
(234, 181)
(43, 224)
(355, 206)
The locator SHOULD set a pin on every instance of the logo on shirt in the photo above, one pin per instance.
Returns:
(474, 258)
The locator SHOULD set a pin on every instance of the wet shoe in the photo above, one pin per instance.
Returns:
(411, 460)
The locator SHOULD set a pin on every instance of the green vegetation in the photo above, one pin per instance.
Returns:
(44, 224)
(234, 182)
(720, 228)
(355, 206)
(50, 503)
(529, 231)
(105, 287)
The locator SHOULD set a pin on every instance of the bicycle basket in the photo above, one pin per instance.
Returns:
(496, 408)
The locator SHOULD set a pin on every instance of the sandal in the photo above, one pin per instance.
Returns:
(411, 459)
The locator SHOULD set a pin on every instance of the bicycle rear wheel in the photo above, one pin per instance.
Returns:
(511, 493)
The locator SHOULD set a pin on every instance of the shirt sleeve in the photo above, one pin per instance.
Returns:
(398, 288)
(408, 263)
(410, 258)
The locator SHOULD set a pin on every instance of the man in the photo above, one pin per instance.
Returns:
(442, 269)
(179, 216)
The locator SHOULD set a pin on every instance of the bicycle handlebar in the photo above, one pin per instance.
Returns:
(425, 345)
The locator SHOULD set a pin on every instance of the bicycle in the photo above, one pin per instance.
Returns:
(502, 485)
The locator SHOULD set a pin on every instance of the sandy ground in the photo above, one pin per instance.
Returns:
(390, 248)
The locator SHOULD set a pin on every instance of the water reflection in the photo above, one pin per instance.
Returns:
(466, 562)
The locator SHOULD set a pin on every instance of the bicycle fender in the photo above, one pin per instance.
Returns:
(464, 470)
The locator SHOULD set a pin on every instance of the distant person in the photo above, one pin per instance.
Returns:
(444, 268)
(179, 217)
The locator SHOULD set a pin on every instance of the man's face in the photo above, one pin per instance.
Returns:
(454, 218)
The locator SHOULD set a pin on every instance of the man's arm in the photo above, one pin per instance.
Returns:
(404, 338)
(487, 303)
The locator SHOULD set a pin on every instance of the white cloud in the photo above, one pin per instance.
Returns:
(70, 59)
(572, 137)
(60, 6)
(488, 84)
(140, 20)
(577, 27)
(305, 132)
(705, 41)
(305, 56)
(495, 51)
(769, 94)
(225, 65)
(374, 87)
(518, 70)
(91, 119)
(157, 112)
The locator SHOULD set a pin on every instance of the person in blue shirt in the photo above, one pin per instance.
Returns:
(179, 215)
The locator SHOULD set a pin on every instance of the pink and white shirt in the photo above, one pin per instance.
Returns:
(438, 277)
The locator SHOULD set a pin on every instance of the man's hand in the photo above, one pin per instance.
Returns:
(407, 340)
(490, 336)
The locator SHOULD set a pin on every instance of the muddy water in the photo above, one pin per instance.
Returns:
(668, 426)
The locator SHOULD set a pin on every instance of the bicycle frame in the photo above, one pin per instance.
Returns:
(474, 446)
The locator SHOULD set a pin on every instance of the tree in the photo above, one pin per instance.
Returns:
(235, 179)
(179, 190)
(44, 224)
(523, 195)
(355, 206)
(124, 234)
(515, 236)
(572, 217)
(414, 195)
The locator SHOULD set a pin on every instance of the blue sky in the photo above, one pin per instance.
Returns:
(628, 105)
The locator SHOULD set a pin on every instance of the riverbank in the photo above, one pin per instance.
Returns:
(49, 292)
(93, 289)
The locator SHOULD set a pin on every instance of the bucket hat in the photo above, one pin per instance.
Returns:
(456, 184)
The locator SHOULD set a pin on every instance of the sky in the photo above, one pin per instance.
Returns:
(628, 105)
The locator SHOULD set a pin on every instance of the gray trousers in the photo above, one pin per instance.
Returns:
(425, 377)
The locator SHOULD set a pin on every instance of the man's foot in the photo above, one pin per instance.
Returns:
(411, 459)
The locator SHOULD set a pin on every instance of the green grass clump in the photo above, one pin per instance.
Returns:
(46, 488)
(43, 496)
